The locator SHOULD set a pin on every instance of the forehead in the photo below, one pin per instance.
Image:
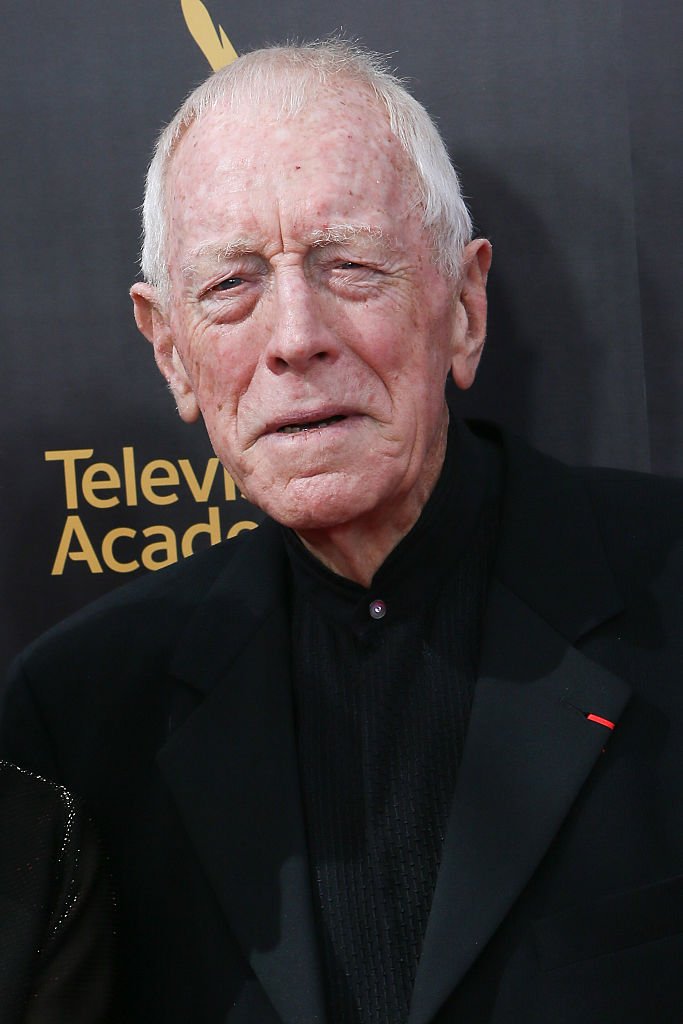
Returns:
(336, 159)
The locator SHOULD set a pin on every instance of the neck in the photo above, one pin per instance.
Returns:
(351, 552)
(356, 549)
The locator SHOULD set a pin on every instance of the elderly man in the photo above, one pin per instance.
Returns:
(411, 751)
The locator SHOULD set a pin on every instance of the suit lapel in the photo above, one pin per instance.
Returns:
(232, 769)
(529, 746)
(529, 749)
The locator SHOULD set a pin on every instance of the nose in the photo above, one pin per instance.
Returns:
(299, 335)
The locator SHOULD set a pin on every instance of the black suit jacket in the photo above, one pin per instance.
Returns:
(167, 706)
(56, 929)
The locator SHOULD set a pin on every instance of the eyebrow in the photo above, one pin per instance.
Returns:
(216, 252)
(339, 233)
(333, 234)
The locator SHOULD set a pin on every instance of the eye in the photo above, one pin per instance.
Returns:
(228, 284)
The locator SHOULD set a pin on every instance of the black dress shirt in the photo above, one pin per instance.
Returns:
(383, 681)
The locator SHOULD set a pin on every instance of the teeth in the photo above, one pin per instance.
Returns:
(296, 428)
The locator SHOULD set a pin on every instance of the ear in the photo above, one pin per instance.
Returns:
(153, 323)
(470, 315)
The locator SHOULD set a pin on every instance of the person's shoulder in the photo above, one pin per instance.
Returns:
(144, 615)
(23, 793)
(638, 515)
(38, 818)
(56, 932)
(640, 518)
(634, 507)
(641, 494)
(630, 495)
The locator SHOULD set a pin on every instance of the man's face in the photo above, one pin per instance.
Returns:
(311, 327)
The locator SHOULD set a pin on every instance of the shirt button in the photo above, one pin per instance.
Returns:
(378, 609)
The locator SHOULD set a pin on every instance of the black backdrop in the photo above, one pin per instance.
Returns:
(565, 122)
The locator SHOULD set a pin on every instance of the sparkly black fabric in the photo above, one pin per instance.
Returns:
(382, 702)
(56, 933)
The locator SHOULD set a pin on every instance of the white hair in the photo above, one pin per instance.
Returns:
(282, 76)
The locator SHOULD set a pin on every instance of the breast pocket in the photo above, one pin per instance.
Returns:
(614, 922)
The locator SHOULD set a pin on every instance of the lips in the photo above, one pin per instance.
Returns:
(296, 428)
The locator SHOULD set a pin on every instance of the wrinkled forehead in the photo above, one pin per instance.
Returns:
(343, 117)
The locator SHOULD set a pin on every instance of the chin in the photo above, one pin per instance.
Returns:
(310, 506)
(303, 520)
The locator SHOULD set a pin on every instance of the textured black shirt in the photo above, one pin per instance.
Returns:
(383, 681)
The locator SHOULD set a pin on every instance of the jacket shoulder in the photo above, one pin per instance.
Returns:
(642, 496)
(566, 528)
(99, 686)
(128, 626)
(632, 509)
(640, 518)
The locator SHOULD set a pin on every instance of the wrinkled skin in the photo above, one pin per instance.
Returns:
(304, 291)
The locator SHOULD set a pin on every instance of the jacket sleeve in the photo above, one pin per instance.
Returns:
(56, 930)
(72, 980)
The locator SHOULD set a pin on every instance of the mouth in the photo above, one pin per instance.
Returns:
(297, 428)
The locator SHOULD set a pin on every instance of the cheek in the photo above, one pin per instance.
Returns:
(218, 368)
(415, 374)
(409, 353)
